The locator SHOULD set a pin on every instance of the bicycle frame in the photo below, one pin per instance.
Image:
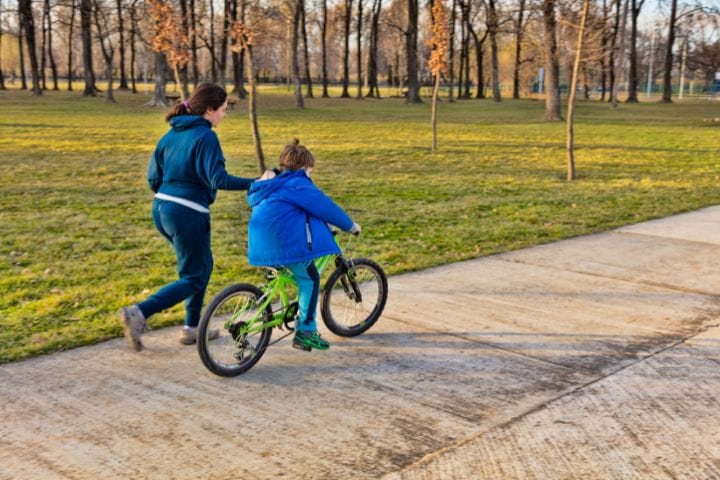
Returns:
(278, 281)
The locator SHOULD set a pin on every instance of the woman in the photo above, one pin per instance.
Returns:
(185, 172)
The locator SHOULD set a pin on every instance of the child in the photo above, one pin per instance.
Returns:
(289, 227)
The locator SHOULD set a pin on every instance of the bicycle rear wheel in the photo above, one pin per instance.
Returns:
(353, 300)
(233, 352)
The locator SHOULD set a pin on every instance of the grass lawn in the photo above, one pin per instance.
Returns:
(77, 241)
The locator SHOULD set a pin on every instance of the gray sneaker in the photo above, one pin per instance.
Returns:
(134, 324)
(189, 335)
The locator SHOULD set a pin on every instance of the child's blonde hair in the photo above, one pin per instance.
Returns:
(295, 157)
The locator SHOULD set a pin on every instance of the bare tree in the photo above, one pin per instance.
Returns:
(438, 58)
(479, 54)
(86, 8)
(133, 33)
(26, 16)
(346, 50)
(21, 50)
(2, 77)
(451, 47)
(359, 95)
(573, 90)
(294, 53)
(121, 43)
(667, 78)
(48, 46)
(619, 52)
(324, 50)
(411, 39)
(103, 35)
(552, 64)
(518, 48)
(193, 42)
(70, 50)
(493, 25)
(372, 68)
(306, 53)
(184, 29)
(633, 75)
(244, 38)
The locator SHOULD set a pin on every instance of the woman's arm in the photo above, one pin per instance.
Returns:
(211, 166)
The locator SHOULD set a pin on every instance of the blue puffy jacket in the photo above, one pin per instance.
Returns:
(289, 221)
(188, 163)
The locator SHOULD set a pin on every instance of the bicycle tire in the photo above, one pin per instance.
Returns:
(219, 355)
(342, 314)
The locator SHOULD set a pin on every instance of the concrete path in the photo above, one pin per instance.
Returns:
(591, 358)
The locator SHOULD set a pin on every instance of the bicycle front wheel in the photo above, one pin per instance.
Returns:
(233, 351)
(353, 300)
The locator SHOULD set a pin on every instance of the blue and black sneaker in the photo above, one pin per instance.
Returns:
(309, 340)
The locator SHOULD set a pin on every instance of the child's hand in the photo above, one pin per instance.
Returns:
(267, 175)
(355, 229)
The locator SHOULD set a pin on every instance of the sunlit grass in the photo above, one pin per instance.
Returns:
(77, 241)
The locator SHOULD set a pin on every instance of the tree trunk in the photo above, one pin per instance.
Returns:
(359, 95)
(411, 39)
(518, 48)
(451, 47)
(493, 30)
(240, 71)
(183, 72)
(436, 91)
(193, 43)
(306, 53)
(667, 77)
(603, 51)
(346, 50)
(133, 29)
(479, 50)
(108, 52)
(295, 61)
(160, 81)
(85, 23)
(466, 92)
(51, 57)
(43, 42)
(613, 46)
(2, 77)
(372, 69)
(552, 64)
(213, 57)
(325, 93)
(633, 78)
(21, 49)
(619, 52)
(571, 98)
(71, 28)
(25, 9)
(252, 109)
(121, 39)
(461, 66)
(222, 67)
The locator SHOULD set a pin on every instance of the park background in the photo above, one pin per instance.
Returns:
(77, 241)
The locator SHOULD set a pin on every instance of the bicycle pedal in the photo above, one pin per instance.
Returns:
(302, 347)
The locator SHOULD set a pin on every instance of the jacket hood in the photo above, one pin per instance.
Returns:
(259, 191)
(185, 122)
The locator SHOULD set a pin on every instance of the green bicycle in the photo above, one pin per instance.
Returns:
(351, 301)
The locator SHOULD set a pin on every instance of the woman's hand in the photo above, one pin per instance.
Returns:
(267, 175)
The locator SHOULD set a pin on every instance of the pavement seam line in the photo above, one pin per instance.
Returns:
(438, 453)
(639, 234)
(664, 286)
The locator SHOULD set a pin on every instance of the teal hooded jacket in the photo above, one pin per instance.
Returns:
(289, 221)
(188, 163)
